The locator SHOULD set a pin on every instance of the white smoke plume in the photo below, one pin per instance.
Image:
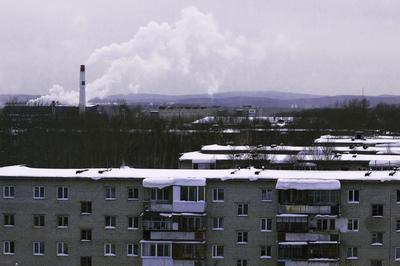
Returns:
(58, 94)
(192, 55)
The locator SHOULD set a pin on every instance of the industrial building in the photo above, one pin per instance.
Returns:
(251, 216)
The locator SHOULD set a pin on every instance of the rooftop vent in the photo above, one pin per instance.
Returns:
(81, 171)
(105, 170)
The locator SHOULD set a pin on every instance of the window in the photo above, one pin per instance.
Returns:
(217, 251)
(243, 209)
(266, 194)
(62, 249)
(38, 220)
(133, 222)
(110, 222)
(86, 261)
(110, 193)
(62, 193)
(266, 224)
(376, 263)
(397, 253)
(398, 225)
(325, 224)
(265, 252)
(86, 207)
(38, 192)
(398, 196)
(109, 249)
(218, 223)
(377, 210)
(353, 196)
(86, 235)
(218, 194)
(8, 247)
(241, 263)
(62, 221)
(377, 238)
(156, 250)
(352, 225)
(8, 192)
(352, 253)
(192, 193)
(8, 220)
(38, 248)
(133, 193)
(160, 194)
(242, 237)
(132, 250)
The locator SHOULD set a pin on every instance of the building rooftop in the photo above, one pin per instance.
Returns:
(252, 174)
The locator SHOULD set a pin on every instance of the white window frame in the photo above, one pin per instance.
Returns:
(41, 192)
(241, 262)
(64, 190)
(7, 247)
(135, 222)
(156, 244)
(220, 224)
(375, 235)
(216, 195)
(242, 237)
(64, 249)
(199, 193)
(112, 219)
(241, 206)
(86, 235)
(63, 219)
(130, 250)
(264, 224)
(351, 195)
(9, 189)
(214, 252)
(267, 192)
(133, 193)
(372, 210)
(354, 224)
(38, 245)
(110, 193)
(5, 215)
(397, 253)
(39, 217)
(109, 250)
(86, 203)
(352, 251)
(267, 249)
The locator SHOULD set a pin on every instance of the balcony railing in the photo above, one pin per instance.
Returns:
(309, 209)
(159, 225)
(158, 206)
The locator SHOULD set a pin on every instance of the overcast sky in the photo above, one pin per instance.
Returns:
(207, 46)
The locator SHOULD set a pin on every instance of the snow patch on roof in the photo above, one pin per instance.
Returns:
(308, 184)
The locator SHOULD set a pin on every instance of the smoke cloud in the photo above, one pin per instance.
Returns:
(58, 94)
(192, 55)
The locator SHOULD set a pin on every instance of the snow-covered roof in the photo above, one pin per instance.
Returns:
(251, 174)
(162, 182)
(328, 139)
(308, 184)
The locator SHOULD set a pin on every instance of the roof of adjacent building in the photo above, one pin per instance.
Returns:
(251, 174)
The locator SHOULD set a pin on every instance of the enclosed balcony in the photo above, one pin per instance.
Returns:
(174, 227)
(321, 251)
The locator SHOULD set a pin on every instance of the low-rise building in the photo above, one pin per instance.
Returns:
(171, 217)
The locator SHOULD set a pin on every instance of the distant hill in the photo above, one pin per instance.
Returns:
(21, 98)
(255, 98)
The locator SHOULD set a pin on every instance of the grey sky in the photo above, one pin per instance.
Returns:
(324, 47)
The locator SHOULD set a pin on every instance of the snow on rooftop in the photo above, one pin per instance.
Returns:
(162, 182)
(308, 184)
(217, 174)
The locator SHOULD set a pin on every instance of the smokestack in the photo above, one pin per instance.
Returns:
(82, 90)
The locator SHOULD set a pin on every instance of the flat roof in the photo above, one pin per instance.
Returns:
(252, 174)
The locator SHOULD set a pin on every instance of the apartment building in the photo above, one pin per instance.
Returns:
(184, 217)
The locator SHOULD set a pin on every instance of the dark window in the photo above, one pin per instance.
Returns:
(377, 210)
(86, 207)
(398, 196)
(133, 222)
(377, 238)
(62, 193)
(218, 194)
(38, 220)
(133, 193)
(86, 234)
(110, 221)
(62, 221)
(353, 196)
(265, 251)
(243, 209)
(376, 263)
(86, 261)
(8, 219)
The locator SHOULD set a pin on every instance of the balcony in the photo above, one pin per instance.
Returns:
(171, 235)
(158, 206)
(321, 251)
(309, 209)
